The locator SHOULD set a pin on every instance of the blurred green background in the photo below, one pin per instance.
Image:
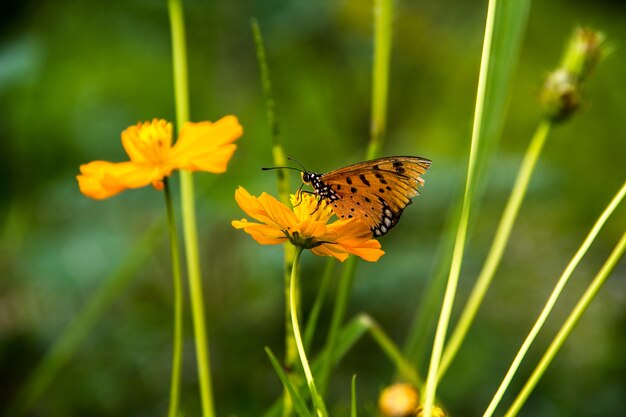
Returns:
(74, 74)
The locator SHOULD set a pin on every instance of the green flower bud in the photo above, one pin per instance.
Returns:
(561, 93)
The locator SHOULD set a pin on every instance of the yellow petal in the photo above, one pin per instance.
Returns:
(206, 146)
(148, 142)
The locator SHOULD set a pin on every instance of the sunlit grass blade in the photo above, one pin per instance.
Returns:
(568, 326)
(495, 75)
(553, 298)
(496, 250)
(297, 401)
(83, 322)
(495, 84)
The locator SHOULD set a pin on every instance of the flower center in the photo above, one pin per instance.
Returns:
(154, 140)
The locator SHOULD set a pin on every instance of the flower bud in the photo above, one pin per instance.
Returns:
(398, 400)
(561, 93)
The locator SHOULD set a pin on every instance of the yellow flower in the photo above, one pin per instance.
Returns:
(305, 226)
(202, 146)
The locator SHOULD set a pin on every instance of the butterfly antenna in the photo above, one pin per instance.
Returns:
(270, 168)
(297, 162)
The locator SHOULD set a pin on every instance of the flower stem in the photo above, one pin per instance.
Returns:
(459, 245)
(317, 400)
(291, 351)
(569, 324)
(497, 247)
(178, 304)
(181, 90)
(383, 16)
(553, 297)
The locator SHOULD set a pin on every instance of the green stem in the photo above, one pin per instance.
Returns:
(552, 300)
(497, 247)
(383, 15)
(459, 246)
(293, 306)
(339, 312)
(568, 326)
(181, 90)
(177, 286)
(291, 351)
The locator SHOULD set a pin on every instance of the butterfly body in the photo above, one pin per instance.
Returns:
(375, 191)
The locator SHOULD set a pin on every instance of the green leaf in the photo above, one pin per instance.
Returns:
(298, 402)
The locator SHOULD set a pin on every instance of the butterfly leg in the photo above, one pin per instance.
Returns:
(319, 203)
(300, 192)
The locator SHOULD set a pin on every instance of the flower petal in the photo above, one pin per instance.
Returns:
(266, 209)
(330, 250)
(206, 146)
(263, 234)
(102, 179)
(355, 237)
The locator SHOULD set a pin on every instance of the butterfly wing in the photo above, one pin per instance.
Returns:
(375, 191)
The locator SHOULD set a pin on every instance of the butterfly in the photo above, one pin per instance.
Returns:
(375, 191)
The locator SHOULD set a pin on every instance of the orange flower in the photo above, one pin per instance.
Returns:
(305, 226)
(203, 146)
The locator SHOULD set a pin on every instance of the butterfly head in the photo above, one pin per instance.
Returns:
(307, 177)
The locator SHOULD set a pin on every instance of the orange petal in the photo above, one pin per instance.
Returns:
(356, 238)
(263, 234)
(102, 179)
(91, 181)
(252, 206)
(278, 213)
(330, 250)
(206, 146)
(266, 209)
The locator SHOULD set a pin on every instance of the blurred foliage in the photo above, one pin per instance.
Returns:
(74, 74)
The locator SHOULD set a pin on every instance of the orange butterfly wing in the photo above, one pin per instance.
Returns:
(374, 191)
